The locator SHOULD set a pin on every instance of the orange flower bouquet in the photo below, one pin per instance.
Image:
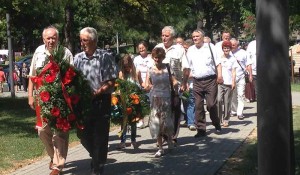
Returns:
(128, 102)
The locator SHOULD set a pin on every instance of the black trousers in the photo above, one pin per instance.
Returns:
(205, 89)
(94, 137)
(25, 83)
(177, 114)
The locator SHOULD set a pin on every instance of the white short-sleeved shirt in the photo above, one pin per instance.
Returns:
(39, 58)
(200, 60)
(241, 56)
(228, 64)
(251, 50)
(219, 49)
(175, 56)
(143, 65)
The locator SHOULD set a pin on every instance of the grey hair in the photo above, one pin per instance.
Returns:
(235, 40)
(200, 31)
(91, 31)
(171, 29)
(50, 27)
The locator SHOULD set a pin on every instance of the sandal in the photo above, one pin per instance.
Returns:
(159, 153)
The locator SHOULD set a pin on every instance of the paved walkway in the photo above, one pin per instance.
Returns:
(204, 156)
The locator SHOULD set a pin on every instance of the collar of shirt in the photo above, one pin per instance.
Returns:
(95, 55)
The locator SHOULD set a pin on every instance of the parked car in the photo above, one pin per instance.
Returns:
(26, 59)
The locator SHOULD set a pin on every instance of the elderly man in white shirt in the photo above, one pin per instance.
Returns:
(238, 96)
(225, 37)
(56, 142)
(176, 58)
(207, 73)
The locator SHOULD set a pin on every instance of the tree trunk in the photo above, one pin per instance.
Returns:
(274, 105)
(69, 18)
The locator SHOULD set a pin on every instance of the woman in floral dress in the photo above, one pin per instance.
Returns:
(161, 118)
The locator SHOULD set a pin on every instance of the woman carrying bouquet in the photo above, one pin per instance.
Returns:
(129, 73)
(159, 83)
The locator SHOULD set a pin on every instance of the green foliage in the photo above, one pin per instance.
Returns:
(295, 87)
(134, 20)
(294, 22)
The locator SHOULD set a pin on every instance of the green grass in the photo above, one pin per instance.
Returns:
(297, 138)
(247, 159)
(295, 87)
(18, 138)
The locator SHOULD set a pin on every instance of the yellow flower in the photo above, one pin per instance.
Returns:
(114, 100)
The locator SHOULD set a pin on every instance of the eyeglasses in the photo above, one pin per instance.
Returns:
(84, 40)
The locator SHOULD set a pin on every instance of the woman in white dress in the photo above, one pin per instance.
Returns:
(161, 118)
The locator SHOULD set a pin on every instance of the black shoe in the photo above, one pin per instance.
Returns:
(98, 170)
(200, 133)
(240, 117)
(218, 128)
(174, 141)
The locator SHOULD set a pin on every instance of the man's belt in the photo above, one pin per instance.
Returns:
(206, 78)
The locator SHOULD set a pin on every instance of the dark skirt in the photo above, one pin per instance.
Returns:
(250, 92)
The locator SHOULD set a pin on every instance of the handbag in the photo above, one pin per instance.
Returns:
(246, 77)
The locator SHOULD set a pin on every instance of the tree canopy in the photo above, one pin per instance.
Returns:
(133, 20)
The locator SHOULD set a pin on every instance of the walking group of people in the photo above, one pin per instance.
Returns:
(209, 73)
(20, 78)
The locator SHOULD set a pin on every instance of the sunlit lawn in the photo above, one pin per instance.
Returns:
(295, 87)
(18, 138)
(246, 160)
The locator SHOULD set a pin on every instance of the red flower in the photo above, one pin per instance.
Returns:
(63, 124)
(50, 78)
(71, 117)
(54, 69)
(37, 80)
(55, 111)
(45, 96)
(66, 125)
(75, 99)
(68, 76)
(128, 111)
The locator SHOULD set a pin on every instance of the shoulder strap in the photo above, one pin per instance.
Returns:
(238, 62)
(213, 58)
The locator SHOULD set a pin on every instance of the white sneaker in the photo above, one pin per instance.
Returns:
(140, 124)
(233, 113)
(192, 128)
(159, 153)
